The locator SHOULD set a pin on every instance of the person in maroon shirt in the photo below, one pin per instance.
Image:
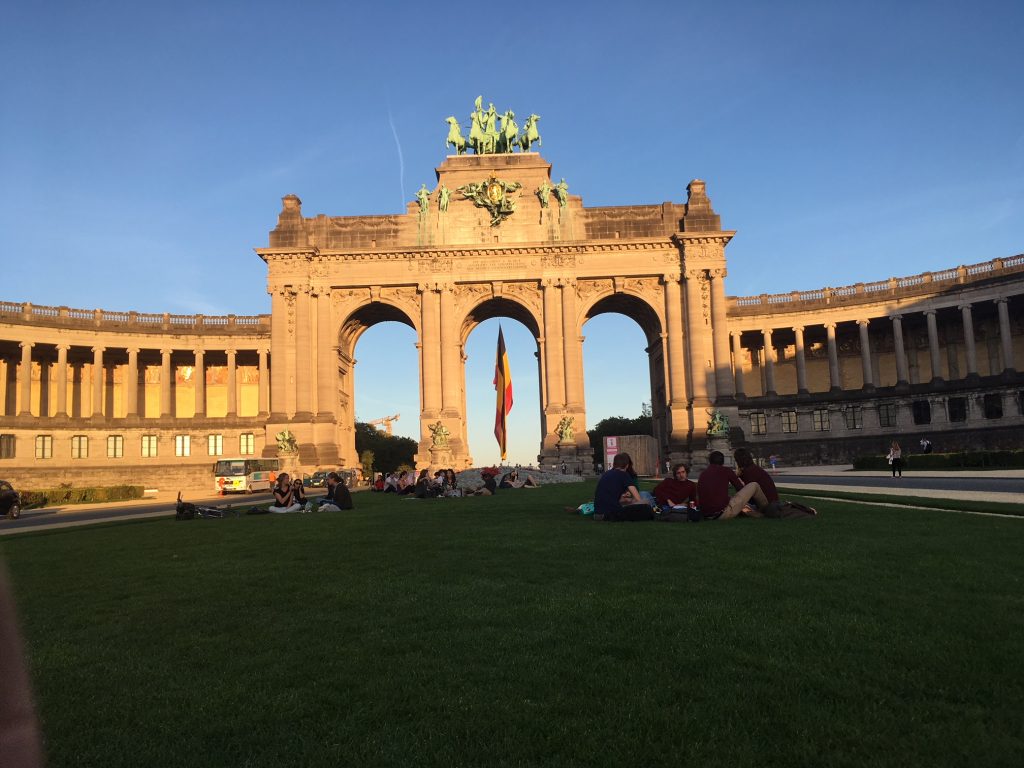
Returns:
(749, 472)
(676, 491)
(713, 490)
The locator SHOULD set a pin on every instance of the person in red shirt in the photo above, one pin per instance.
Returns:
(676, 490)
(713, 490)
(749, 472)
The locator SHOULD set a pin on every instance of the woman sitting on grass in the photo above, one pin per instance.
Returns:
(284, 496)
(511, 480)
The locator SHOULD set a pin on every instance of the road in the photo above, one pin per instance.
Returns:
(948, 482)
(57, 517)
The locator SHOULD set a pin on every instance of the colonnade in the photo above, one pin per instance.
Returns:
(893, 330)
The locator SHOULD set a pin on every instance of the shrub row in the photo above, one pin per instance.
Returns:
(56, 496)
(958, 460)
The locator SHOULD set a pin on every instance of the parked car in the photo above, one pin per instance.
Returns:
(10, 501)
(316, 480)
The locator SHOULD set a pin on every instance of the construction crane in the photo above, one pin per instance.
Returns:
(386, 421)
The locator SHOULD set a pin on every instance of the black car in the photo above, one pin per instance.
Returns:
(316, 480)
(10, 501)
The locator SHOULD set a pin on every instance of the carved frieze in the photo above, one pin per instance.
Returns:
(404, 297)
(559, 260)
(468, 296)
(527, 293)
(585, 289)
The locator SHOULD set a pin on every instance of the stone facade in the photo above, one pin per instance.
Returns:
(816, 376)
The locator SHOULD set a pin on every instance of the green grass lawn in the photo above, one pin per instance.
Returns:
(502, 631)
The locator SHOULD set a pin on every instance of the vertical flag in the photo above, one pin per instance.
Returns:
(503, 387)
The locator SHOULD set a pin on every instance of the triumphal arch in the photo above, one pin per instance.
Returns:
(498, 236)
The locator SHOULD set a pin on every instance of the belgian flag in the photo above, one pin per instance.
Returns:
(503, 386)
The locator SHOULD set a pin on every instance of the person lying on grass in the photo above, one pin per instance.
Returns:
(511, 480)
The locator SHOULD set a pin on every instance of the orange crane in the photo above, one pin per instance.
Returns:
(386, 421)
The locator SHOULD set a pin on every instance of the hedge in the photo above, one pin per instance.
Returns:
(958, 460)
(68, 495)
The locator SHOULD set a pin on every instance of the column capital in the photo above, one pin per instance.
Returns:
(133, 350)
(63, 347)
(567, 282)
(99, 350)
(766, 332)
(199, 352)
(930, 312)
(167, 352)
(696, 274)
(831, 325)
(798, 329)
(26, 344)
(1001, 300)
(263, 350)
(966, 305)
(896, 316)
(231, 351)
(670, 277)
(718, 272)
(863, 323)
(549, 282)
(736, 334)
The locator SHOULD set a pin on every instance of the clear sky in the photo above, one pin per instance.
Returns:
(145, 147)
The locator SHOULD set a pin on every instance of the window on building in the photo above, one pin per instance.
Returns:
(922, 410)
(115, 446)
(758, 424)
(44, 446)
(993, 404)
(852, 417)
(788, 421)
(79, 447)
(7, 444)
(247, 444)
(887, 415)
(820, 419)
(149, 443)
(957, 408)
(215, 445)
(182, 445)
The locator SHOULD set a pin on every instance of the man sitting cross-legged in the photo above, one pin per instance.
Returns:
(676, 491)
(713, 490)
(338, 496)
(616, 485)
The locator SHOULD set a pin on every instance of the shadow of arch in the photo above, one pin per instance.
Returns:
(498, 307)
(632, 307)
(364, 318)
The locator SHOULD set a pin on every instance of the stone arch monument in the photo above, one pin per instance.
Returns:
(495, 237)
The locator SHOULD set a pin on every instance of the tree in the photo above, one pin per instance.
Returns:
(389, 451)
(620, 425)
(366, 462)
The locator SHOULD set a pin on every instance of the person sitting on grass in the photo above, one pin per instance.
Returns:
(338, 496)
(489, 487)
(425, 487)
(284, 495)
(450, 484)
(713, 491)
(676, 491)
(511, 480)
(615, 485)
(749, 472)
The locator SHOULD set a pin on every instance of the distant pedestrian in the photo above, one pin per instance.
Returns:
(773, 460)
(926, 445)
(895, 458)
(565, 468)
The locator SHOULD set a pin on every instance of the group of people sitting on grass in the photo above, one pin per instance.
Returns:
(677, 498)
(445, 483)
(290, 496)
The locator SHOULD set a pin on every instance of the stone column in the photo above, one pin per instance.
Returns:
(264, 384)
(865, 354)
(969, 349)
(835, 379)
(303, 356)
(674, 346)
(720, 337)
(555, 380)
(572, 357)
(769, 362)
(166, 406)
(737, 355)
(327, 358)
(451, 365)
(62, 380)
(25, 378)
(933, 346)
(902, 378)
(97, 382)
(199, 380)
(430, 351)
(697, 326)
(801, 361)
(278, 345)
(131, 384)
(232, 410)
(1009, 364)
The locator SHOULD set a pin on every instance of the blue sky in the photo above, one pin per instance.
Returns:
(144, 147)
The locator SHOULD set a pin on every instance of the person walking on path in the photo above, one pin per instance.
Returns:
(895, 458)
